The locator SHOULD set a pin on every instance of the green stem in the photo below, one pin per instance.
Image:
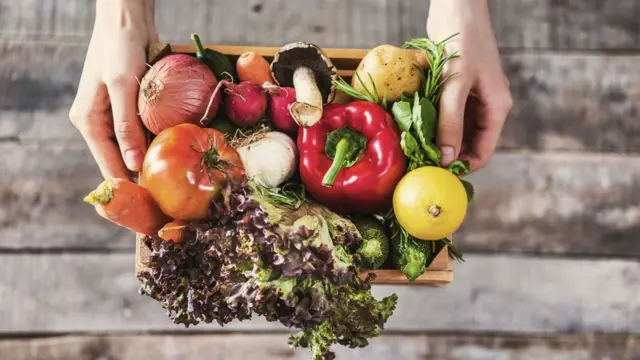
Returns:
(338, 162)
(196, 40)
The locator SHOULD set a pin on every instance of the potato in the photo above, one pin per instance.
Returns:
(340, 98)
(392, 70)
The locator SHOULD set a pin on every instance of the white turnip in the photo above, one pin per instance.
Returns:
(270, 159)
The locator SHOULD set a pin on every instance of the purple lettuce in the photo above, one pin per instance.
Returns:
(254, 256)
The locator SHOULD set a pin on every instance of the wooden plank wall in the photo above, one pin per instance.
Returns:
(552, 240)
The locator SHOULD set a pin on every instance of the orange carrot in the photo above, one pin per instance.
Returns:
(253, 67)
(173, 231)
(129, 205)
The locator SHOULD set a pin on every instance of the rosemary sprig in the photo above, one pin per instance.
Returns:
(454, 253)
(368, 95)
(435, 54)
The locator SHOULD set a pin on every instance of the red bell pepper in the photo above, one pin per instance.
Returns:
(351, 160)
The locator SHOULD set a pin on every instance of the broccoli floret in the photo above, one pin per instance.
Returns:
(408, 254)
(375, 242)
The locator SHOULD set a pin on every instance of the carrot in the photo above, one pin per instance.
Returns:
(173, 231)
(129, 205)
(253, 67)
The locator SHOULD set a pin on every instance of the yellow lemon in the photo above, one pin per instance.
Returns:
(430, 203)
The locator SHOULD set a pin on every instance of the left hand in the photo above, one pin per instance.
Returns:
(476, 101)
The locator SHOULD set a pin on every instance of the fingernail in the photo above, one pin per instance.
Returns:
(448, 155)
(133, 159)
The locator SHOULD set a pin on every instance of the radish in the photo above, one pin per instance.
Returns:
(280, 99)
(245, 103)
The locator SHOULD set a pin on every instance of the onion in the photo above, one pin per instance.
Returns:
(175, 90)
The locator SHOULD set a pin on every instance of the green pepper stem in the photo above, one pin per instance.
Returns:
(338, 162)
(196, 40)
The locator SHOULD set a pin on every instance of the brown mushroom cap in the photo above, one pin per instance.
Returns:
(290, 56)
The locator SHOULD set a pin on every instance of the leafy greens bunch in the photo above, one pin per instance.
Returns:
(285, 260)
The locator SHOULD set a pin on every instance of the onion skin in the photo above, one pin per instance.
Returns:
(280, 98)
(175, 90)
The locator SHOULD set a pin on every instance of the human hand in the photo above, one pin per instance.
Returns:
(476, 101)
(105, 109)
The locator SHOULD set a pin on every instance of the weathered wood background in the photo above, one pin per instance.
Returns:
(552, 240)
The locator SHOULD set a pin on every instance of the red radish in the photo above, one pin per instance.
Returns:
(280, 98)
(177, 89)
(245, 103)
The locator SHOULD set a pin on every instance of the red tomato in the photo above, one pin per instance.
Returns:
(182, 170)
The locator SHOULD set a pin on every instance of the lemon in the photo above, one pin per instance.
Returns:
(430, 203)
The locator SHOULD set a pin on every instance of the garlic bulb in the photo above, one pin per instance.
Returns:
(271, 160)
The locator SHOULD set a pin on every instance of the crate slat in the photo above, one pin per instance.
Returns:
(438, 273)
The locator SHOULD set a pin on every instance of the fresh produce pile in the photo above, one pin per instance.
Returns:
(271, 188)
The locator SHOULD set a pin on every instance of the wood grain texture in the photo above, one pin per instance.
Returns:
(272, 347)
(547, 24)
(561, 102)
(533, 203)
(41, 192)
(91, 292)
(583, 203)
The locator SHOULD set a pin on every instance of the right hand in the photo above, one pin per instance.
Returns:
(105, 109)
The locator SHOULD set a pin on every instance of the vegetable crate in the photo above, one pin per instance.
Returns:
(438, 273)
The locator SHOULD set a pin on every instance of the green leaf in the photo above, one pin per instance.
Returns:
(405, 97)
(410, 146)
(418, 125)
(429, 118)
(401, 111)
(423, 130)
(460, 168)
(454, 253)
(468, 187)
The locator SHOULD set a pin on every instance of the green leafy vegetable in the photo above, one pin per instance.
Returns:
(401, 111)
(459, 168)
(256, 257)
(411, 150)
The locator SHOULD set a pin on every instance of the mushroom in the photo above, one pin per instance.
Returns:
(309, 70)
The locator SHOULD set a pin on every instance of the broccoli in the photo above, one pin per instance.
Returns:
(408, 254)
(375, 242)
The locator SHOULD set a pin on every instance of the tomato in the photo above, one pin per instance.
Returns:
(430, 203)
(186, 167)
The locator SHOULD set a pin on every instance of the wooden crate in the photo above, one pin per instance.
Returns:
(438, 273)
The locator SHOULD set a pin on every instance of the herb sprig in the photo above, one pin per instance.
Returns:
(370, 95)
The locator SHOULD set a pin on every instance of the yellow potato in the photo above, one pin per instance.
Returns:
(340, 98)
(392, 70)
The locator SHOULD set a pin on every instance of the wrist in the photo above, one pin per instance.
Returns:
(137, 16)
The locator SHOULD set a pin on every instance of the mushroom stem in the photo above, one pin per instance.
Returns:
(307, 110)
